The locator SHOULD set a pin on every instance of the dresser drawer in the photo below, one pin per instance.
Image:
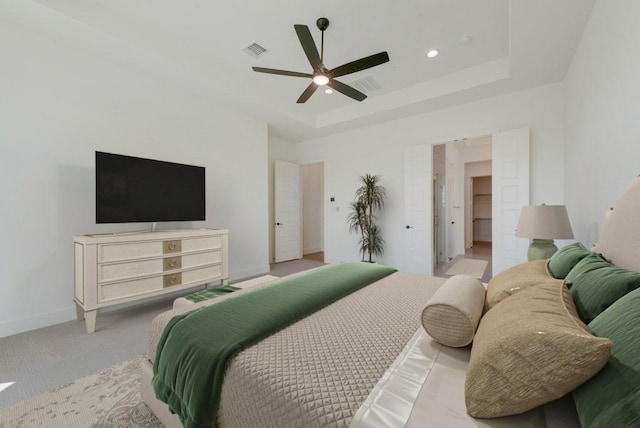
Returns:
(134, 250)
(137, 250)
(203, 274)
(122, 290)
(201, 244)
(125, 289)
(117, 271)
(201, 259)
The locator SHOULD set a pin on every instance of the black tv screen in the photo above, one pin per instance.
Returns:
(132, 190)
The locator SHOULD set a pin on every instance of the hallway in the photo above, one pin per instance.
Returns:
(480, 251)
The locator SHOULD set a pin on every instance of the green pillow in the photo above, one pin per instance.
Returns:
(612, 397)
(596, 284)
(563, 260)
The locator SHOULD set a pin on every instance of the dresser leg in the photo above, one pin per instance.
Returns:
(79, 312)
(90, 320)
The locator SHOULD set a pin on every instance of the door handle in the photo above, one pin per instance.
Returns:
(408, 227)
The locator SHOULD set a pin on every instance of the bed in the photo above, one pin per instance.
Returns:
(365, 360)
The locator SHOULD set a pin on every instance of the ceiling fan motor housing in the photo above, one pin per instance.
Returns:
(322, 23)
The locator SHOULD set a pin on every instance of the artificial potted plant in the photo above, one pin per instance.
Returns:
(369, 199)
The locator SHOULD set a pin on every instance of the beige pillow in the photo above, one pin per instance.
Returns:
(453, 312)
(530, 349)
(515, 279)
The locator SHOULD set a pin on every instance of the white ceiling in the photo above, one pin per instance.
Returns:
(197, 45)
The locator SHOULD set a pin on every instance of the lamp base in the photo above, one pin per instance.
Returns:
(541, 249)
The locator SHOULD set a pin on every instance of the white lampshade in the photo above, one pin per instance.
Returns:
(544, 222)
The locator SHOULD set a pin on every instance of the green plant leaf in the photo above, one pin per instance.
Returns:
(369, 199)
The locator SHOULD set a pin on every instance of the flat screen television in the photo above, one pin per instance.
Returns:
(133, 190)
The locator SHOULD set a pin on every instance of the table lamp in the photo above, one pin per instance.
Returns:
(543, 223)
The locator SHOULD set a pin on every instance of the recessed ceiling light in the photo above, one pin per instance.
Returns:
(328, 91)
(432, 53)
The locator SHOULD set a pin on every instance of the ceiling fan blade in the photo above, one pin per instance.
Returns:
(307, 93)
(309, 46)
(346, 90)
(281, 72)
(360, 64)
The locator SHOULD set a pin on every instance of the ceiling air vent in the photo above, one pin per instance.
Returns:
(365, 84)
(254, 50)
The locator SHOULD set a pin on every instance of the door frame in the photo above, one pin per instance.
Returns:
(429, 248)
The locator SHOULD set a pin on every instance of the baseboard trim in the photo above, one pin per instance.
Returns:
(34, 322)
(247, 273)
(313, 250)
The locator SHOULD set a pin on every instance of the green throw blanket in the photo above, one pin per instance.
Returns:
(195, 347)
(211, 293)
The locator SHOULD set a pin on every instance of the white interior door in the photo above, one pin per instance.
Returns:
(468, 213)
(451, 199)
(510, 190)
(418, 210)
(288, 212)
(440, 219)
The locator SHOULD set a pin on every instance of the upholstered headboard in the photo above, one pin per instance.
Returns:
(620, 235)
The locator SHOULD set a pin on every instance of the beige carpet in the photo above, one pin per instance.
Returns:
(109, 398)
(471, 267)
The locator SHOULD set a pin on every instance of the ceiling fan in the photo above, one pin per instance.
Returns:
(321, 75)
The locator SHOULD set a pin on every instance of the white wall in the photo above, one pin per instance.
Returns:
(380, 149)
(58, 106)
(602, 115)
(312, 207)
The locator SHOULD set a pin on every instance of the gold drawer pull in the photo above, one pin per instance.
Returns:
(172, 246)
(171, 280)
(172, 263)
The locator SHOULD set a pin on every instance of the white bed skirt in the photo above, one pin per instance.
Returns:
(424, 387)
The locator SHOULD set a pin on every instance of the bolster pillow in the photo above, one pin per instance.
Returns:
(452, 314)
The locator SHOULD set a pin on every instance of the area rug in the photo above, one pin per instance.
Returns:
(109, 398)
(471, 267)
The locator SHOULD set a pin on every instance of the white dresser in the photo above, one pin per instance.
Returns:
(118, 268)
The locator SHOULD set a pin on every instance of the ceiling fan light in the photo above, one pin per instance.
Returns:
(320, 79)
